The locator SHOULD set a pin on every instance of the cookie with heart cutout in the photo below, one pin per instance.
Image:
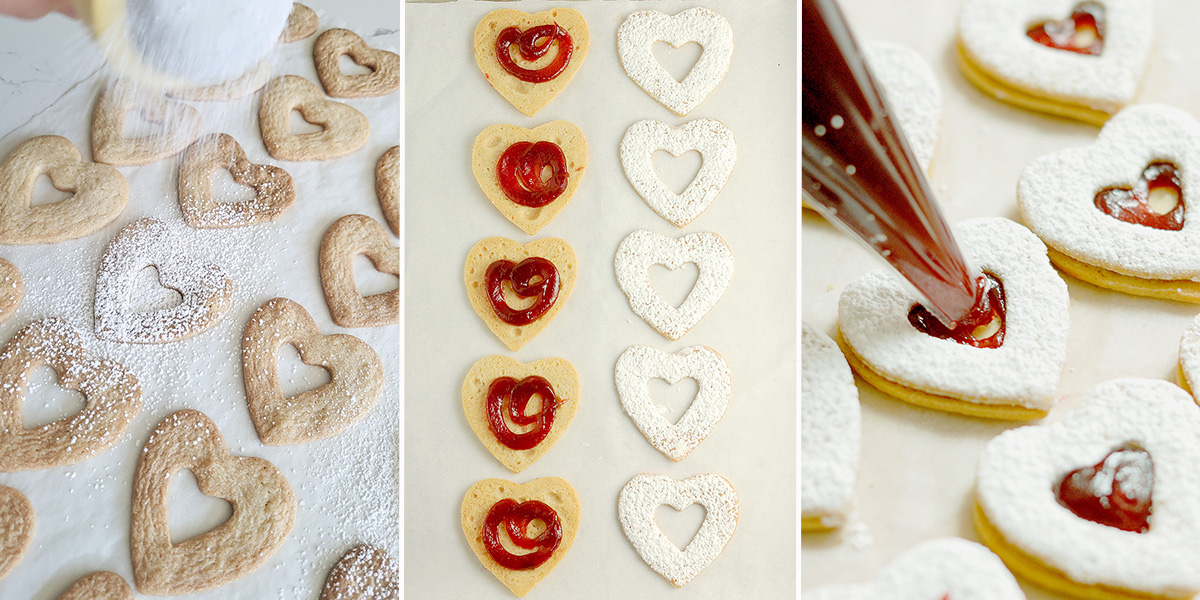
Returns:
(912, 94)
(355, 376)
(274, 192)
(517, 289)
(497, 395)
(333, 44)
(264, 509)
(496, 517)
(718, 152)
(508, 162)
(1101, 503)
(16, 528)
(939, 569)
(205, 288)
(172, 126)
(387, 187)
(643, 248)
(302, 22)
(100, 193)
(709, 29)
(364, 573)
(101, 585)
(348, 237)
(643, 494)
(343, 129)
(637, 365)
(112, 398)
(530, 58)
(245, 84)
(1008, 370)
(830, 432)
(1077, 59)
(1118, 213)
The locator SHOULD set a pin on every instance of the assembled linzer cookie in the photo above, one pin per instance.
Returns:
(511, 48)
(1102, 504)
(503, 277)
(509, 160)
(912, 94)
(1008, 370)
(830, 430)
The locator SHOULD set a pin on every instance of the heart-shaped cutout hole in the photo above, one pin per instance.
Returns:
(348, 66)
(1155, 200)
(982, 328)
(680, 525)
(1117, 491)
(226, 190)
(674, 286)
(677, 61)
(300, 126)
(192, 512)
(369, 280)
(46, 401)
(44, 192)
(148, 294)
(672, 400)
(1081, 33)
(677, 172)
(297, 376)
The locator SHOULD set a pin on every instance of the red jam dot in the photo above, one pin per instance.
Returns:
(521, 168)
(1156, 200)
(1114, 492)
(534, 277)
(983, 327)
(516, 395)
(533, 44)
(1081, 33)
(515, 518)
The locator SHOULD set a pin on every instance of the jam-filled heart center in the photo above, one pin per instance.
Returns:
(519, 521)
(1081, 33)
(510, 398)
(983, 327)
(1115, 491)
(1155, 200)
(533, 174)
(533, 44)
(534, 277)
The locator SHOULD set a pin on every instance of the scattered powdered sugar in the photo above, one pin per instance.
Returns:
(640, 30)
(830, 429)
(912, 94)
(711, 138)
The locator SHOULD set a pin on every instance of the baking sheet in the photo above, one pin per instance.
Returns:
(916, 477)
(448, 102)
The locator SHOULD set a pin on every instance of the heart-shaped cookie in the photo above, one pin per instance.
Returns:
(642, 29)
(1000, 53)
(247, 83)
(348, 237)
(12, 289)
(343, 129)
(1016, 380)
(639, 364)
(912, 94)
(530, 58)
(16, 528)
(718, 151)
(387, 187)
(101, 585)
(645, 493)
(355, 376)
(384, 77)
(302, 22)
(497, 386)
(494, 509)
(517, 289)
(176, 125)
(264, 509)
(1023, 517)
(205, 287)
(363, 573)
(642, 248)
(1062, 198)
(100, 193)
(830, 431)
(503, 155)
(111, 393)
(940, 569)
(274, 192)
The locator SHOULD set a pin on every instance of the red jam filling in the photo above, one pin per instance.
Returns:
(533, 44)
(516, 395)
(532, 277)
(1114, 492)
(520, 170)
(1081, 33)
(983, 327)
(516, 519)
(1135, 206)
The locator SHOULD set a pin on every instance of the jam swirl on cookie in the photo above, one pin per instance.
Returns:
(533, 277)
(515, 518)
(520, 171)
(532, 44)
(506, 392)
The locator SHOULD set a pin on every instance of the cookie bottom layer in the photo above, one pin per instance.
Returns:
(1026, 98)
(1181, 290)
(1003, 412)
(1031, 569)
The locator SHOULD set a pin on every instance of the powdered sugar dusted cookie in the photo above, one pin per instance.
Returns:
(943, 568)
(174, 125)
(1102, 503)
(718, 151)
(642, 29)
(99, 191)
(12, 289)
(642, 248)
(249, 82)
(364, 573)
(508, 161)
(343, 129)
(1075, 59)
(519, 411)
(205, 287)
(348, 237)
(302, 22)
(639, 364)
(264, 509)
(645, 493)
(102, 585)
(331, 45)
(494, 510)
(112, 398)
(912, 93)
(273, 189)
(1119, 213)
(1007, 373)
(830, 431)
(355, 376)
(517, 289)
(530, 58)
(16, 528)
(387, 187)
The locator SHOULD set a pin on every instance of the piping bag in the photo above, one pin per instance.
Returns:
(860, 173)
